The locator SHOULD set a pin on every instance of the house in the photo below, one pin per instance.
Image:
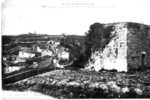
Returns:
(18, 59)
(46, 53)
(20, 54)
(26, 53)
(12, 69)
(128, 50)
(62, 53)
(8, 69)
(36, 48)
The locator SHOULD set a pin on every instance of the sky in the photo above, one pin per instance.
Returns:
(55, 17)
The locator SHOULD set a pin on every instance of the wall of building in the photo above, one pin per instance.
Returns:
(23, 54)
(129, 49)
(115, 52)
(138, 41)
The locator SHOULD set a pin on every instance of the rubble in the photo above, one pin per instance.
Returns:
(96, 83)
(138, 91)
(85, 84)
(125, 90)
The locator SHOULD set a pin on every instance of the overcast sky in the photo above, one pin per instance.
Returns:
(69, 16)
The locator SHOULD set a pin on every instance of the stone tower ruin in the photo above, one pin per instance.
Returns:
(129, 49)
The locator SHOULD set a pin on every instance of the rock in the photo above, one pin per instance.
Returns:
(63, 82)
(138, 91)
(54, 82)
(104, 87)
(71, 95)
(125, 90)
(73, 83)
(110, 83)
(94, 85)
(116, 88)
(113, 86)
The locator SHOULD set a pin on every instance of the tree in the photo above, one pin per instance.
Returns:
(97, 37)
(75, 49)
(94, 38)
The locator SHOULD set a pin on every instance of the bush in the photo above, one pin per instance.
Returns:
(76, 50)
(97, 37)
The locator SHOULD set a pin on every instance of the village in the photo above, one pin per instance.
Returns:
(116, 65)
(20, 56)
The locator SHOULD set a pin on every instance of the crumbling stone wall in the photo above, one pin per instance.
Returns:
(138, 42)
(113, 56)
(129, 49)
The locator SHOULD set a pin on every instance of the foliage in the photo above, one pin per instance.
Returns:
(135, 26)
(97, 37)
(75, 48)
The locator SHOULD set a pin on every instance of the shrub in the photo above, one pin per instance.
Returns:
(97, 37)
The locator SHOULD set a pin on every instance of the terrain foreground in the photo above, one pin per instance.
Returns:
(84, 84)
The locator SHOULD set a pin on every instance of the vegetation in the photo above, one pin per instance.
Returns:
(64, 83)
(85, 84)
(97, 37)
(76, 49)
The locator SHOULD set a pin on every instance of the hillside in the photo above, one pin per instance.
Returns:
(85, 84)
(92, 74)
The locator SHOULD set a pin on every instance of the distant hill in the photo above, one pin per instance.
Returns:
(37, 37)
(28, 40)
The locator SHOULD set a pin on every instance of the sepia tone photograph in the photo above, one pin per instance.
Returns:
(70, 49)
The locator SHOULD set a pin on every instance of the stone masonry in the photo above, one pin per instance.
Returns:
(129, 49)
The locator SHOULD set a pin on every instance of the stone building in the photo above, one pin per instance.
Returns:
(129, 49)
(138, 46)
